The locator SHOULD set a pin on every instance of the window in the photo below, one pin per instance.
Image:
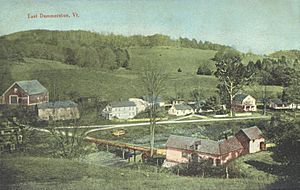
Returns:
(13, 99)
(15, 90)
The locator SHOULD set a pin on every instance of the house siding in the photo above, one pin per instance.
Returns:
(58, 113)
(22, 97)
(254, 145)
(174, 111)
(120, 112)
(248, 104)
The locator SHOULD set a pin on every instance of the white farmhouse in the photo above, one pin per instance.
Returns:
(120, 110)
(180, 110)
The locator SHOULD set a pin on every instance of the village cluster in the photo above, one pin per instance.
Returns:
(179, 149)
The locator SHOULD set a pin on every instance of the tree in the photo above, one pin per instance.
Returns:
(68, 143)
(154, 82)
(232, 74)
(292, 93)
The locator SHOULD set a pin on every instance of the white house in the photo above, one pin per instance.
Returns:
(278, 104)
(244, 102)
(180, 110)
(120, 110)
(140, 104)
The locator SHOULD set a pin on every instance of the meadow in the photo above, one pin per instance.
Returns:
(62, 80)
(25, 172)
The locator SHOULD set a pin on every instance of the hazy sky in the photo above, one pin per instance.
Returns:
(260, 26)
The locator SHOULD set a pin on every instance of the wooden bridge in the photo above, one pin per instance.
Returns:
(126, 146)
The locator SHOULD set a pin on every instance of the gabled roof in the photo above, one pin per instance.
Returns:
(122, 104)
(240, 97)
(204, 145)
(252, 133)
(32, 87)
(182, 107)
(230, 144)
(180, 142)
(208, 146)
(57, 104)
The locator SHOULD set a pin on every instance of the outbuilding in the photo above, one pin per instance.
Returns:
(59, 110)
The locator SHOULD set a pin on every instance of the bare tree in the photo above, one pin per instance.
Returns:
(232, 74)
(68, 143)
(154, 83)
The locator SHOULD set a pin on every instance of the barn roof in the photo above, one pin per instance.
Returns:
(182, 107)
(57, 104)
(180, 142)
(229, 145)
(122, 104)
(31, 87)
(208, 146)
(204, 145)
(252, 133)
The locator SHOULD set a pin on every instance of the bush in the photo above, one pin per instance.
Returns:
(204, 168)
(204, 70)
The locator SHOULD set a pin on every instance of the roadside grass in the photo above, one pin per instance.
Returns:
(211, 130)
(46, 173)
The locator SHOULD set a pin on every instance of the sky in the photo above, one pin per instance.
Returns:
(258, 26)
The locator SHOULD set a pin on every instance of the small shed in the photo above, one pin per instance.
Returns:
(252, 139)
(58, 110)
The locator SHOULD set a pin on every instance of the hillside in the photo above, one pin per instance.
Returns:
(290, 54)
(80, 63)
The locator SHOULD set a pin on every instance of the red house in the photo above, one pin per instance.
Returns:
(182, 149)
(25, 93)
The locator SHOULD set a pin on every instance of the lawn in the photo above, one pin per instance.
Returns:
(23, 172)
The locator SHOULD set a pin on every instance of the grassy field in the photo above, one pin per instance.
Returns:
(62, 79)
(46, 173)
(211, 130)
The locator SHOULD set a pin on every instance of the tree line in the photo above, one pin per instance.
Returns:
(87, 49)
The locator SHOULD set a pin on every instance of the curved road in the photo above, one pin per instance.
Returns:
(113, 126)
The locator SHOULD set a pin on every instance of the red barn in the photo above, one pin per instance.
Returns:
(25, 93)
(182, 149)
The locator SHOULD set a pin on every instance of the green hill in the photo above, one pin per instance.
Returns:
(106, 65)
(290, 54)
